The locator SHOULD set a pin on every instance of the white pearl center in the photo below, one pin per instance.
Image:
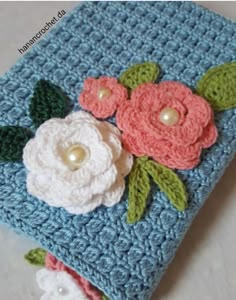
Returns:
(103, 93)
(76, 155)
(169, 116)
(62, 291)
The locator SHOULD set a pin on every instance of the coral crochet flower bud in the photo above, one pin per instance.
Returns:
(102, 96)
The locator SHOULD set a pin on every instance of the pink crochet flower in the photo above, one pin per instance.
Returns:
(102, 96)
(168, 122)
(53, 264)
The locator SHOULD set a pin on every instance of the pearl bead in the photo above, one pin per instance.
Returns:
(103, 93)
(62, 291)
(76, 155)
(169, 116)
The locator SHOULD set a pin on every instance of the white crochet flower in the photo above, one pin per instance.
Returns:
(59, 286)
(77, 163)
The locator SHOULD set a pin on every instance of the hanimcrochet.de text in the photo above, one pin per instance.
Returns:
(38, 35)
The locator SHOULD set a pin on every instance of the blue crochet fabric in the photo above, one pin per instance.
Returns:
(105, 38)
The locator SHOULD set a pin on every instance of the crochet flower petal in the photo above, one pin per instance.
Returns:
(39, 153)
(40, 186)
(59, 285)
(99, 109)
(175, 89)
(47, 296)
(124, 163)
(105, 128)
(102, 96)
(176, 145)
(199, 109)
(178, 164)
(100, 159)
(113, 194)
(186, 133)
(44, 279)
(56, 125)
(81, 133)
(86, 208)
(126, 117)
(46, 155)
(53, 264)
(145, 97)
(113, 141)
(44, 151)
(109, 127)
(56, 180)
(209, 136)
(109, 198)
(81, 116)
(133, 144)
(194, 114)
(178, 157)
(96, 186)
(89, 84)
(59, 193)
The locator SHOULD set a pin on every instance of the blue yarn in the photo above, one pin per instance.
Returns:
(125, 261)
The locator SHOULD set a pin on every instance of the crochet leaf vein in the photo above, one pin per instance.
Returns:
(36, 257)
(12, 142)
(218, 86)
(169, 183)
(139, 187)
(138, 74)
(48, 101)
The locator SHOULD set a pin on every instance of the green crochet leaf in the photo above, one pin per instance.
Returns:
(36, 257)
(218, 86)
(104, 297)
(169, 183)
(12, 142)
(139, 187)
(48, 101)
(139, 73)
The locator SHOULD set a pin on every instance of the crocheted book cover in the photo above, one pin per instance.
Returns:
(114, 129)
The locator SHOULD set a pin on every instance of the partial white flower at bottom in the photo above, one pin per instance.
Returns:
(77, 163)
(58, 286)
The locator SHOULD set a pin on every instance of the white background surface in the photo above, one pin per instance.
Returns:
(205, 265)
